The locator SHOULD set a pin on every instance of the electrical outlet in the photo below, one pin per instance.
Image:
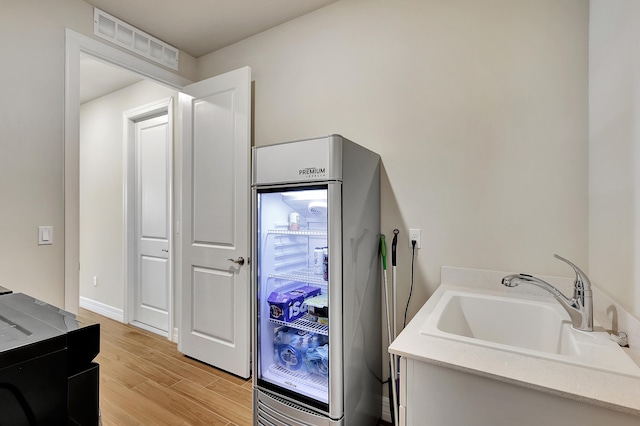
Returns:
(414, 234)
(95, 281)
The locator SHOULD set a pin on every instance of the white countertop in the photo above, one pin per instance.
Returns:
(609, 390)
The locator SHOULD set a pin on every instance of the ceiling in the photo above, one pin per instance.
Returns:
(98, 78)
(196, 27)
(199, 27)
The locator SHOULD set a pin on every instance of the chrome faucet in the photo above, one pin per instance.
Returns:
(580, 307)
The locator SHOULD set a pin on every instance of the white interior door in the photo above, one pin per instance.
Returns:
(214, 322)
(152, 223)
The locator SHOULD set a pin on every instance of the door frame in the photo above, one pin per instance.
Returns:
(129, 120)
(75, 45)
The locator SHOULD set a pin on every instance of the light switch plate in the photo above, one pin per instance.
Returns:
(45, 235)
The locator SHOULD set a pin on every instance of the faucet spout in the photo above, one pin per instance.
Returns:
(579, 307)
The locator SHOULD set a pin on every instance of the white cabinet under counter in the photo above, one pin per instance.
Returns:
(449, 382)
(436, 395)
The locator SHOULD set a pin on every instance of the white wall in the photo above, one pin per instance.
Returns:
(31, 139)
(101, 189)
(614, 150)
(478, 109)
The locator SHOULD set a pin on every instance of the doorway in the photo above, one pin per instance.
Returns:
(117, 141)
(105, 265)
(77, 45)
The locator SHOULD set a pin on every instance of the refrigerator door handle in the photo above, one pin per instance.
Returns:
(239, 261)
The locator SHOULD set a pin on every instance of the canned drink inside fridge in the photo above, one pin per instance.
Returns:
(325, 264)
(317, 261)
(294, 221)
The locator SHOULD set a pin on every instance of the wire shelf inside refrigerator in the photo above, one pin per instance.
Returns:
(305, 275)
(305, 323)
(303, 232)
(315, 381)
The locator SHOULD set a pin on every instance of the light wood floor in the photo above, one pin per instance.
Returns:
(144, 380)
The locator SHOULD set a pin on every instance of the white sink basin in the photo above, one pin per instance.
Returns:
(523, 325)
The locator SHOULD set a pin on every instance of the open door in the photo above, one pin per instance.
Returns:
(215, 120)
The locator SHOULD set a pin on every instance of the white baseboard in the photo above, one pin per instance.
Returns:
(386, 409)
(102, 309)
(174, 336)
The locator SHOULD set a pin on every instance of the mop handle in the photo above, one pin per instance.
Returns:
(383, 251)
(394, 244)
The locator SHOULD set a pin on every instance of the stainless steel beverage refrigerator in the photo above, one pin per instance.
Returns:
(317, 353)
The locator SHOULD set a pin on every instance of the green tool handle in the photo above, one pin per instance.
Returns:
(383, 251)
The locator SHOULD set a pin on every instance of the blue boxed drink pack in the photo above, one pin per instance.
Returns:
(289, 306)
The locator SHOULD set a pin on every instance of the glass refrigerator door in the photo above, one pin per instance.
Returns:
(292, 275)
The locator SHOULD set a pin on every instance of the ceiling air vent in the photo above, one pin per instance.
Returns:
(124, 35)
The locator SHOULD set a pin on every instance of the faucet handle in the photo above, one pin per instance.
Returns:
(582, 280)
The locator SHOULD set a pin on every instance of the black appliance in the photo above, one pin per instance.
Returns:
(47, 373)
